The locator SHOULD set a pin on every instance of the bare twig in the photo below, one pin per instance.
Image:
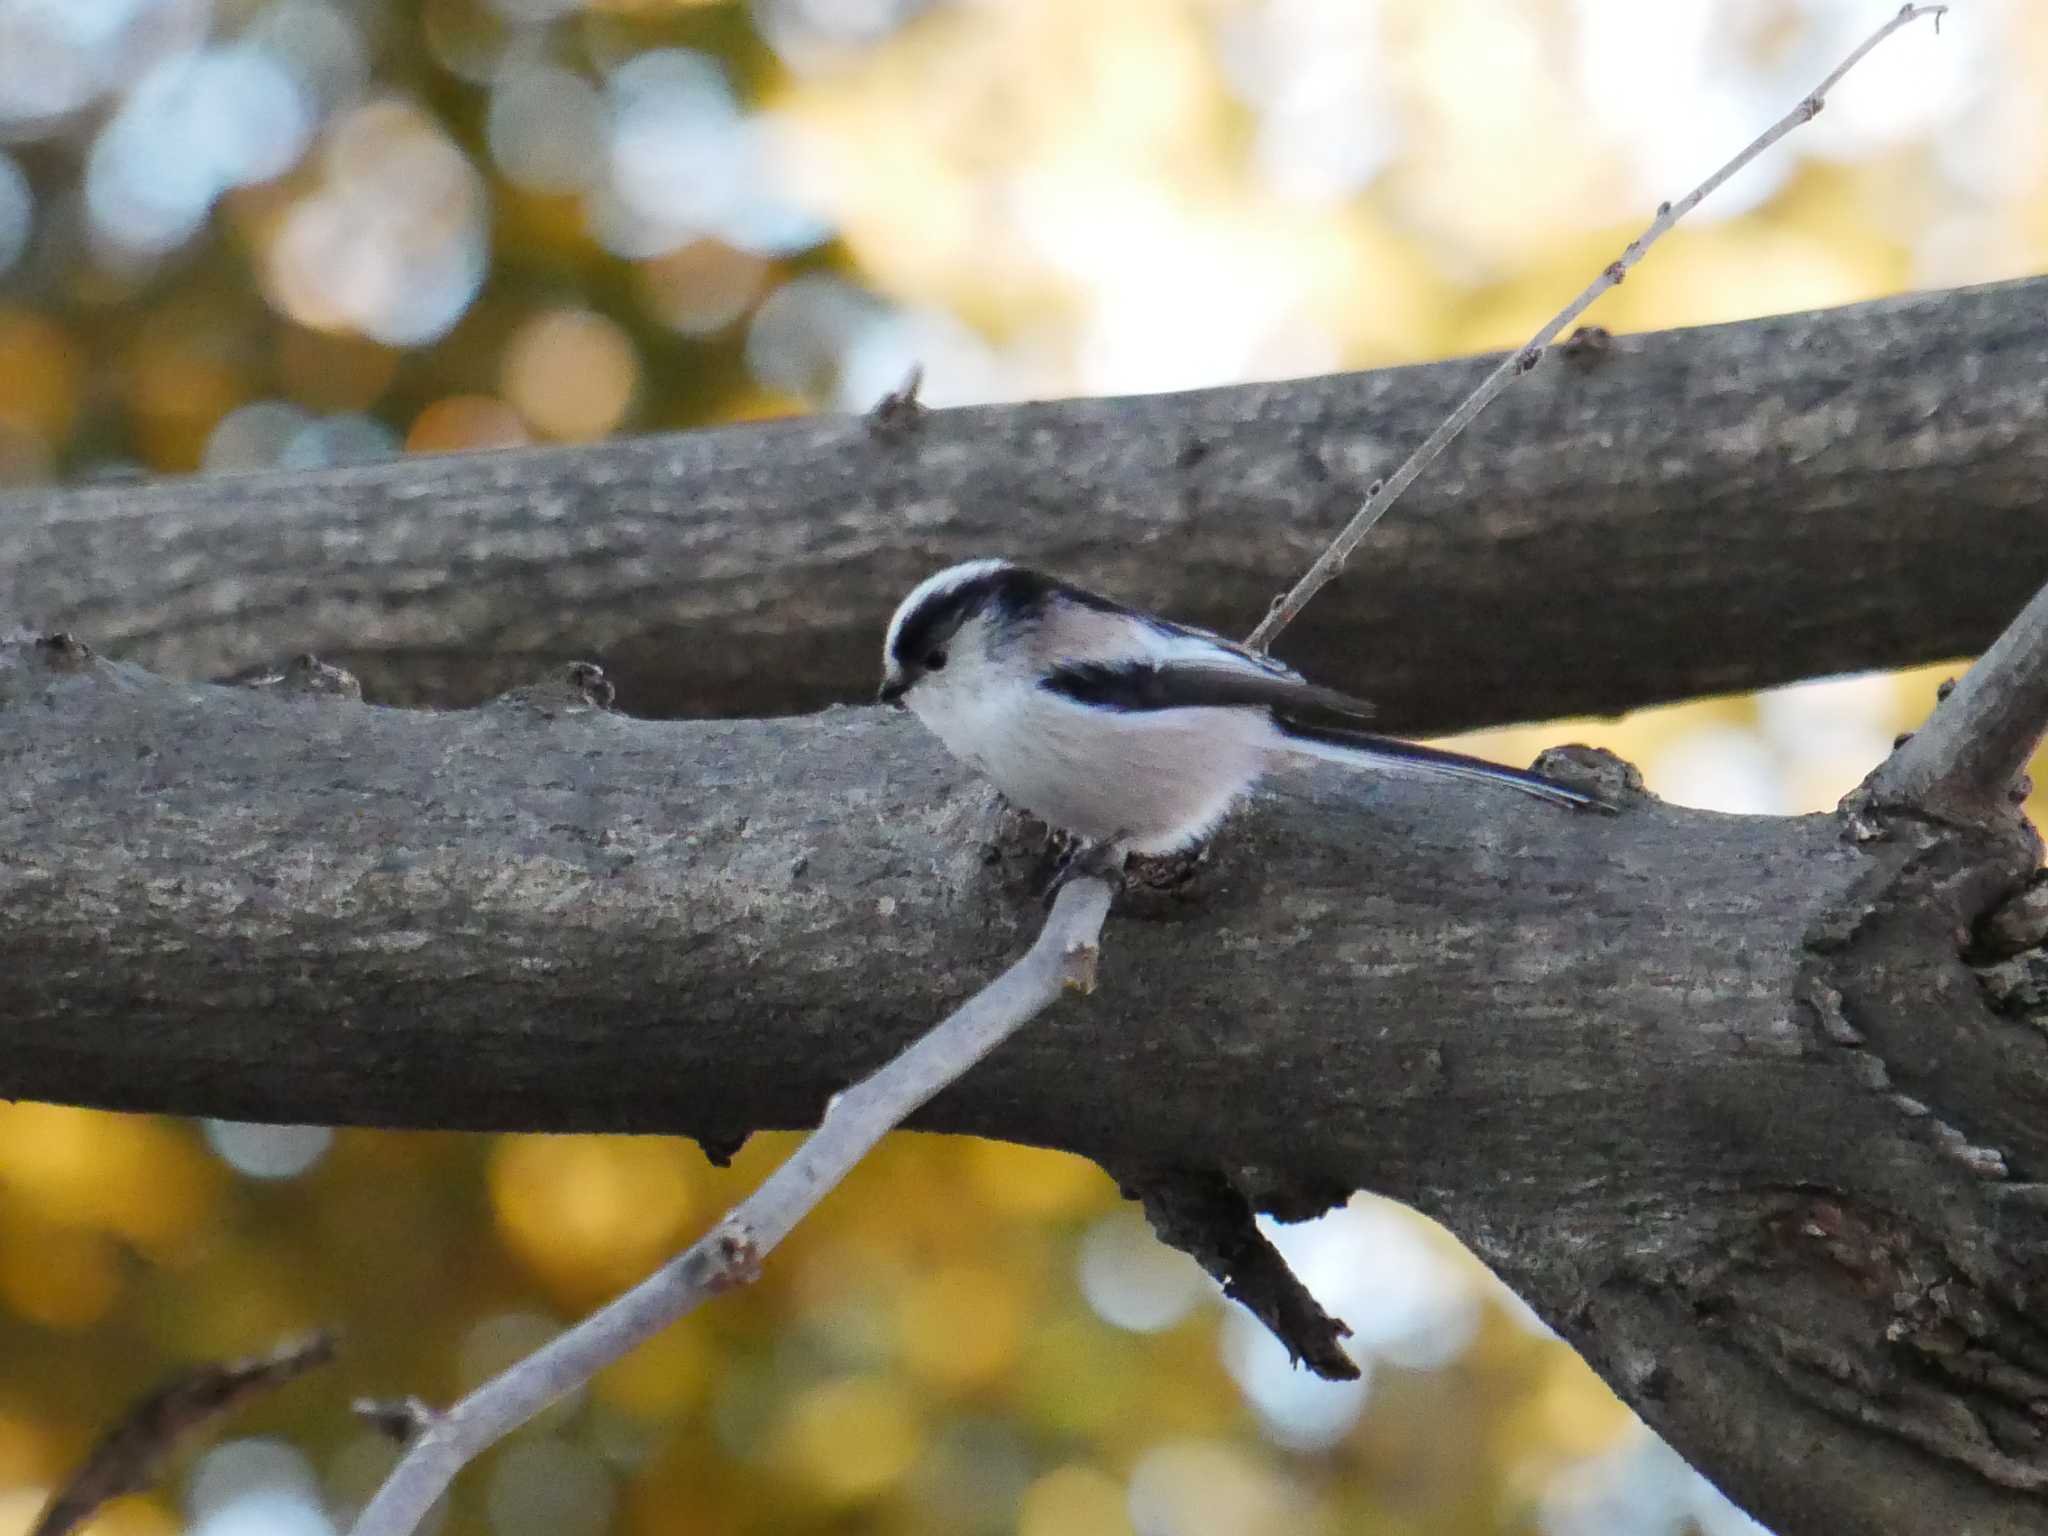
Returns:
(1967, 758)
(730, 1254)
(1387, 492)
(130, 1456)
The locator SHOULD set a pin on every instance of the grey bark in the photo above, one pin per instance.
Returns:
(1668, 515)
(1752, 1109)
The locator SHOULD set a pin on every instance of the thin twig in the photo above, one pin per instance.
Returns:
(1384, 494)
(131, 1455)
(730, 1254)
(1966, 760)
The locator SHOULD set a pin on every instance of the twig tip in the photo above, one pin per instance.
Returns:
(1077, 967)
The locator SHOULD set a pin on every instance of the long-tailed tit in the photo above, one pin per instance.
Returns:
(1118, 726)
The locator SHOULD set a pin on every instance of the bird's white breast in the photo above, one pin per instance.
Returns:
(1155, 780)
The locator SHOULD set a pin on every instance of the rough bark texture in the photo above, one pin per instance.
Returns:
(1670, 515)
(1727, 1099)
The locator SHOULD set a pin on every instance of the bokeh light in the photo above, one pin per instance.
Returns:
(674, 173)
(814, 34)
(1074, 1501)
(56, 1274)
(572, 374)
(850, 1440)
(394, 243)
(804, 331)
(194, 126)
(1311, 71)
(465, 422)
(592, 1214)
(17, 212)
(1198, 1488)
(702, 286)
(547, 128)
(254, 436)
(268, 1151)
(56, 59)
(1132, 1279)
(962, 1325)
(255, 1487)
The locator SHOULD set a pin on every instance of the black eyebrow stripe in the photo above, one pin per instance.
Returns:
(1015, 588)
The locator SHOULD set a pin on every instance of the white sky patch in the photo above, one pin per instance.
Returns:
(1311, 69)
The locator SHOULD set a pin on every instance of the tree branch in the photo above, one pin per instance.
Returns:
(1725, 1098)
(131, 1455)
(729, 1255)
(1968, 757)
(1680, 513)
(1287, 607)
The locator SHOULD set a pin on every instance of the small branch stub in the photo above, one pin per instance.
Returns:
(64, 652)
(1202, 1214)
(579, 687)
(309, 676)
(900, 409)
(737, 1257)
(1587, 341)
(402, 1419)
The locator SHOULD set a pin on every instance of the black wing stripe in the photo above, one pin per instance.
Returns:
(1144, 686)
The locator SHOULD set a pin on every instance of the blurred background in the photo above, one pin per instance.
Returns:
(245, 234)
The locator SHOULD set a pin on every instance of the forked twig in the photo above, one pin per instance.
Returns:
(730, 1254)
(1388, 491)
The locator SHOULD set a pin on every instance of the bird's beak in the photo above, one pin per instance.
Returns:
(894, 686)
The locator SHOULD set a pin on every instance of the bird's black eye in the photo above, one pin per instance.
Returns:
(935, 661)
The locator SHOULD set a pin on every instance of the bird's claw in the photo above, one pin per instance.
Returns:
(1079, 858)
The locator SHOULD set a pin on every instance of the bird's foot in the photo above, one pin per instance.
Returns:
(1078, 858)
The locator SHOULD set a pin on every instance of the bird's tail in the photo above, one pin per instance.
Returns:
(1387, 754)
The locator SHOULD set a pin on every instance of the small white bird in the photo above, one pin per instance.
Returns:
(1118, 726)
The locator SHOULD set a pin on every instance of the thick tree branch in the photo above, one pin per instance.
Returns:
(1675, 514)
(1723, 1097)
(1062, 959)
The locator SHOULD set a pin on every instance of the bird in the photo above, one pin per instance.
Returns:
(1121, 728)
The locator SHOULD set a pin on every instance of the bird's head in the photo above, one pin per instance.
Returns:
(943, 629)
